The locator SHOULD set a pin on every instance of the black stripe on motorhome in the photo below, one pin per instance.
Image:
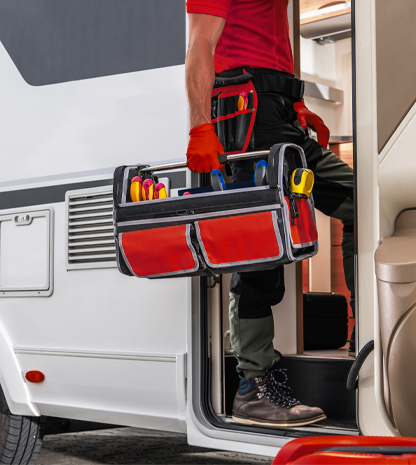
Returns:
(55, 194)
(51, 41)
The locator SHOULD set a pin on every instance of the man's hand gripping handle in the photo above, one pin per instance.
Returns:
(203, 149)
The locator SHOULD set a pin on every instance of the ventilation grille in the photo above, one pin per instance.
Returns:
(90, 229)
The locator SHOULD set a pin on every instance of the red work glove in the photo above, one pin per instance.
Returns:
(203, 149)
(307, 118)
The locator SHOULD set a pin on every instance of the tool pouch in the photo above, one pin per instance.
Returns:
(234, 126)
(212, 233)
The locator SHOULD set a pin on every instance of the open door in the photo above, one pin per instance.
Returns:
(385, 116)
(318, 375)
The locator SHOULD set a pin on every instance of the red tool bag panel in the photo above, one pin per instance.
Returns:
(302, 231)
(240, 240)
(214, 232)
(161, 251)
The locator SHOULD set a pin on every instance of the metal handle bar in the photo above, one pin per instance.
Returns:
(222, 159)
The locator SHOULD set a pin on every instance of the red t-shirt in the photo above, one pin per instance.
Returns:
(256, 33)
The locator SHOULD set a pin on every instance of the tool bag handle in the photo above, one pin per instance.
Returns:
(276, 162)
(222, 159)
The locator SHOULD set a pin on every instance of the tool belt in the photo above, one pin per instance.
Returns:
(215, 232)
(234, 102)
(264, 80)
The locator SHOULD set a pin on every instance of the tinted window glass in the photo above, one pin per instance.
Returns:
(54, 41)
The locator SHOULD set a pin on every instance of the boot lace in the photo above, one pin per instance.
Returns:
(277, 392)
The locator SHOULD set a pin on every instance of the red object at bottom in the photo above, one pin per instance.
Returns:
(355, 450)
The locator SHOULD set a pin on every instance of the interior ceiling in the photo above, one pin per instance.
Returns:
(308, 6)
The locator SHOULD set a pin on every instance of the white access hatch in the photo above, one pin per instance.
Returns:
(26, 253)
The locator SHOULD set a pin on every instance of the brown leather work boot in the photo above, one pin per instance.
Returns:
(263, 401)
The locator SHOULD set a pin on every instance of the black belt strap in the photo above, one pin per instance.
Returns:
(264, 80)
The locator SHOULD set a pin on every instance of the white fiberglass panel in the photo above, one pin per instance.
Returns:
(104, 389)
(90, 124)
(100, 309)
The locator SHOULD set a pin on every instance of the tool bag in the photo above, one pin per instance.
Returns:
(211, 233)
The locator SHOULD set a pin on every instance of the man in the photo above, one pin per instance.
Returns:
(232, 37)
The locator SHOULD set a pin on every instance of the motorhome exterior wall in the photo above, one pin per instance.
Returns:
(97, 337)
(126, 105)
(90, 124)
(112, 349)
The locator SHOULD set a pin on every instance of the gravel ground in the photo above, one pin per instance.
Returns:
(134, 446)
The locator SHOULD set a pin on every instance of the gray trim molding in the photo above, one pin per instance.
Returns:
(53, 194)
(150, 357)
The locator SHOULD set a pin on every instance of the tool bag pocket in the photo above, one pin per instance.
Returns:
(233, 114)
(166, 251)
(303, 235)
(240, 240)
(209, 233)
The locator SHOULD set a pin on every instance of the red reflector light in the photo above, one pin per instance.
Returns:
(35, 376)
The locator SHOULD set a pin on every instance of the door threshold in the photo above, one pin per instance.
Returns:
(327, 427)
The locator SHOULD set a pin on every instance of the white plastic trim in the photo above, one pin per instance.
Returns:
(12, 379)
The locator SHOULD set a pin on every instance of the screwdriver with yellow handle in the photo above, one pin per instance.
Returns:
(148, 190)
(301, 182)
(136, 189)
(242, 101)
(160, 191)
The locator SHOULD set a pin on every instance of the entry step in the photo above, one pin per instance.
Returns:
(317, 380)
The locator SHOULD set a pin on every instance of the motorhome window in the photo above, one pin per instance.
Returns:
(51, 42)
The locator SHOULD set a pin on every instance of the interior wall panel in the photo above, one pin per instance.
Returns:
(396, 69)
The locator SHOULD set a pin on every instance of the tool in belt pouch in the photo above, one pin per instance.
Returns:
(234, 102)
(254, 228)
(233, 111)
